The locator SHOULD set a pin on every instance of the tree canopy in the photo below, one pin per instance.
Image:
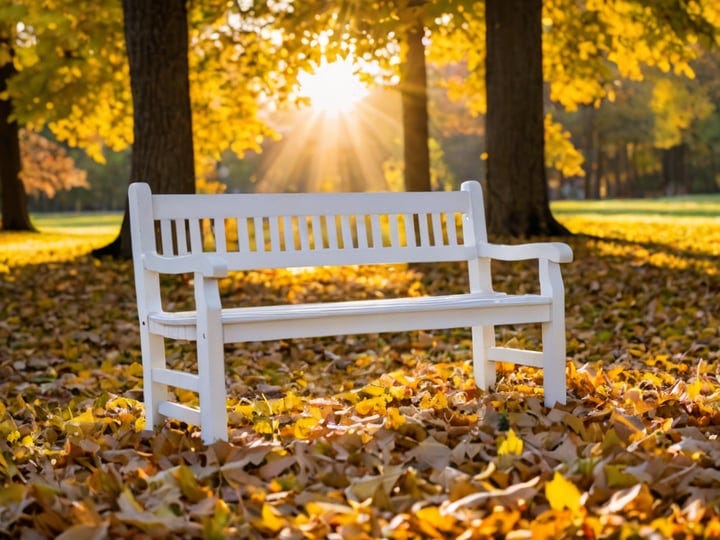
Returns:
(244, 60)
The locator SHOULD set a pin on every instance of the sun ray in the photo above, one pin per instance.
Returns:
(336, 145)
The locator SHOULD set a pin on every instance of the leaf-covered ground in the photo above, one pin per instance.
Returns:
(379, 435)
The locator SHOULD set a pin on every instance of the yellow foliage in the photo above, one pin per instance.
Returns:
(375, 405)
(676, 107)
(394, 418)
(562, 494)
(511, 444)
(303, 427)
(437, 401)
(270, 519)
(560, 153)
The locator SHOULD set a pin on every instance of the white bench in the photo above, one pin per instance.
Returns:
(209, 235)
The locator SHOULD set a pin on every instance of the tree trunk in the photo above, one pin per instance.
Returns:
(674, 170)
(592, 154)
(414, 97)
(14, 208)
(156, 37)
(518, 202)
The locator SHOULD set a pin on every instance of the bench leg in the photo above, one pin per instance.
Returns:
(553, 336)
(211, 361)
(153, 355)
(483, 337)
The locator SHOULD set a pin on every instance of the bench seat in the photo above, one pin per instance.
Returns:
(359, 317)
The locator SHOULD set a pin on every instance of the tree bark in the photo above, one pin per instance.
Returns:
(156, 37)
(518, 202)
(414, 95)
(15, 216)
(674, 170)
(592, 154)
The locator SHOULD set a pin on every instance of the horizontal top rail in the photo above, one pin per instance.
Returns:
(231, 205)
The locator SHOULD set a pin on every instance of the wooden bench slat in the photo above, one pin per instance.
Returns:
(182, 246)
(282, 204)
(331, 223)
(196, 240)
(357, 307)
(259, 224)
(178, 379)
(317, 232)
(243, 235)
(437, 230)
(451, 230)
(275, 232)
(346, 231)
(394, 231)
(376, 231)
(424, 233)
(303, 233)
(362, 240)
(358, 317)
(218, 227)
(515, 356)
(409, 220)
(166, 237)
(171, 409)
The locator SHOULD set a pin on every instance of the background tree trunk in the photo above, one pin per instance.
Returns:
(414, 96)
(674, 170)
(156, 36)
(592, 154)
(15, 216)
(518, 202)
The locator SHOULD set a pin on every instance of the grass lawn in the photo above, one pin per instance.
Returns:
(80, 223)
(61, 237)
(684, 206)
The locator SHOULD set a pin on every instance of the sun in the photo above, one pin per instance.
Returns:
(333, 88)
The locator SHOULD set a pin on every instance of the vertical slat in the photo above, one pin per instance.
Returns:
(376, 230)
(394, 232)
(196, 245)
(424, 236)
(437, 229)
(166, 235)
(331, 223)
(303, 232)
(361, 231)
(220, 239)
(288, 233)
(451, 231)
(242, 232)
(275, 234)
(181, 236)
(259, 234)
(409, 230)
(317, 232)
(346, 232)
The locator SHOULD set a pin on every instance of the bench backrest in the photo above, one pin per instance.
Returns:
(254, 231)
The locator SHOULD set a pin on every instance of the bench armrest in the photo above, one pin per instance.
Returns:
(207, 264)
(552, 251)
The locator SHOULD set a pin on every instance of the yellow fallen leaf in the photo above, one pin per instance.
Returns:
(562, 493)
(511, 445)
(437, 401)
(432, 516)
(394, 418)
(270, 519)
(375, 405)
(303, 427)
